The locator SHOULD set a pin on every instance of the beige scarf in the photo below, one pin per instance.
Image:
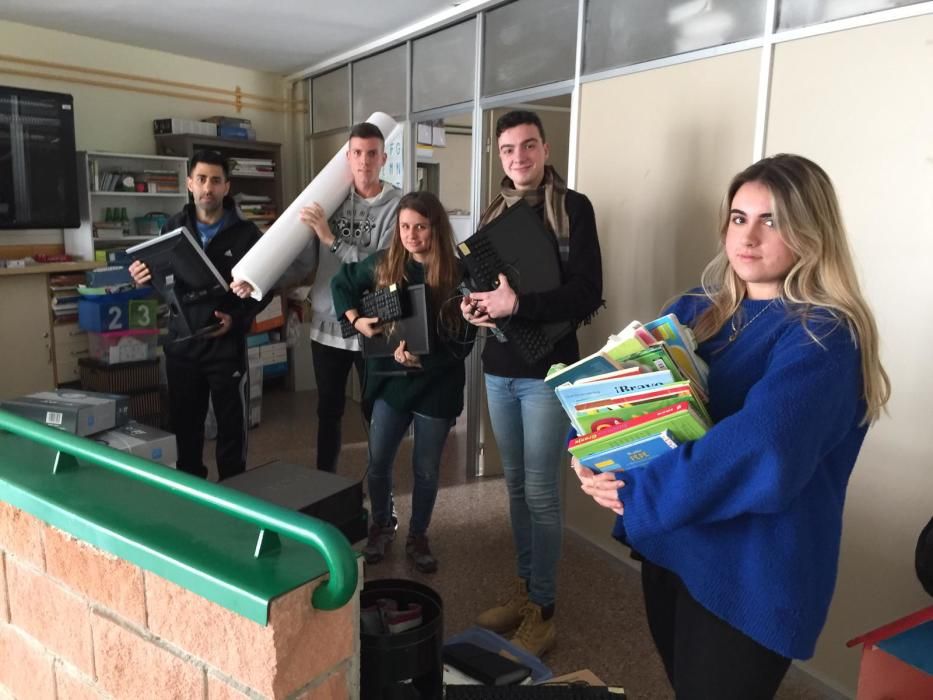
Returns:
(552, 191)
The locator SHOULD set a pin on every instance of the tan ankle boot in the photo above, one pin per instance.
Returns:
(506, 616)
(535, 635)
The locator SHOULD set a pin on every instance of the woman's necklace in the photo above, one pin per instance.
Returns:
(737, 330)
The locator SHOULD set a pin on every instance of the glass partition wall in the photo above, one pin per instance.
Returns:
(448, 83)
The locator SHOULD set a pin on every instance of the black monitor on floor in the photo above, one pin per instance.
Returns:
(182, 274)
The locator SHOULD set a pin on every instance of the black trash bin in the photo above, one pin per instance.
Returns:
(406, 665)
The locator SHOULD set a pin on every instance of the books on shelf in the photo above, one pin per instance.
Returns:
(252, 167)
(640, 395)
(128, 180)
(238, 122)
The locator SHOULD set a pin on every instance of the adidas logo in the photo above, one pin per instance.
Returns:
(229, 254)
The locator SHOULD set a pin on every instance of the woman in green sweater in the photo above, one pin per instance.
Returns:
(430, 393)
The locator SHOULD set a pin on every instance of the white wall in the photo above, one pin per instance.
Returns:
(865, 113)
(109, 119)
(655, 155)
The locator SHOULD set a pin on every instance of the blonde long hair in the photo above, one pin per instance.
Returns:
(806, 214)
(441, 272)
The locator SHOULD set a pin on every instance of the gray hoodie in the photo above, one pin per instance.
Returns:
(362, 226)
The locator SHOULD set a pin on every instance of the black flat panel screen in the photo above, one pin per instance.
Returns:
(38, 169)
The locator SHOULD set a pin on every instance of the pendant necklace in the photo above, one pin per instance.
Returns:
(737, 330)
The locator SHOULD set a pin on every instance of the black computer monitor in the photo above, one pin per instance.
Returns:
(182, 273)
(414, 328)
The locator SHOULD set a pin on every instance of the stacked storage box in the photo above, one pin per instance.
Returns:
(255, 387)
(99, 416)
(121, 327)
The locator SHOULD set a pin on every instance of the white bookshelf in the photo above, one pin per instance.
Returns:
(94, 200)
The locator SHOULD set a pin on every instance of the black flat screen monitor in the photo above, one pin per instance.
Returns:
(38, 163)
(414, 328)
(182, 274)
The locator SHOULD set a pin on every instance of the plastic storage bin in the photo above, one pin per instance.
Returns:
(123, 346)
(112, 312)
(150, 224)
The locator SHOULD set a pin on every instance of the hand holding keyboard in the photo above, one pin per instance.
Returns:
(384, 304)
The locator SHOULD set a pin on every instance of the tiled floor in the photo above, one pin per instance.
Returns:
(600, 618)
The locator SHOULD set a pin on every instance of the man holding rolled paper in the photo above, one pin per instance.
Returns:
(362, 224)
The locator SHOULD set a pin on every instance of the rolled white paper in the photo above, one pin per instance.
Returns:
(265, 262)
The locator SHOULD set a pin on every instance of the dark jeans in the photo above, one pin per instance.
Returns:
(331, 369)
(387, 429)
(189, 386)
(704, 656)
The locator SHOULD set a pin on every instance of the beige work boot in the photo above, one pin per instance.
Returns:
(535, 635)
(506, 616)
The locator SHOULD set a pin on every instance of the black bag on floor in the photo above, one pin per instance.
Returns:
(924, 558)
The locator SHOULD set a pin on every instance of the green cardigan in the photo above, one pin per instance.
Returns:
(437, 390)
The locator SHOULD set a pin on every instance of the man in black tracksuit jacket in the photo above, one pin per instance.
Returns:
(214, 365)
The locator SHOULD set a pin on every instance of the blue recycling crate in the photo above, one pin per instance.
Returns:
(102, 313)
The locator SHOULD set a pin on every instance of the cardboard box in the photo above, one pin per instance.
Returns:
(272, 316)
(255, 378)
(255, 411)
(174, 125)
(273, 353)
(143, 441)
(78, 412)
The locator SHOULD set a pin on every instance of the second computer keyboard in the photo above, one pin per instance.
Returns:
(484, 265)
(384, 303)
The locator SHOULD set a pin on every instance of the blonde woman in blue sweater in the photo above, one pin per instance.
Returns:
(739, 531)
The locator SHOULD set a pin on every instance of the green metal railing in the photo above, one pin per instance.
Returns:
(272, 520)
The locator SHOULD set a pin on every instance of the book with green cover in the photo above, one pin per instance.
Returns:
(630, 340)
(683, 346)
(680, 419)
(630, 405)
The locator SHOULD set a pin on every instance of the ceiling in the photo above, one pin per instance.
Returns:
(278, 36)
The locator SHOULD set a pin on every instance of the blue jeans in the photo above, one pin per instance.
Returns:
(386, 431)
(530, 428)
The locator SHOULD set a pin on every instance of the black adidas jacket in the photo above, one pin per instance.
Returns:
(224, 250)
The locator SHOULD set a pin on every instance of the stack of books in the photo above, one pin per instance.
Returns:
(260, 209)
(642, 394)
(252, 167)
(159, 181)
(65, 297)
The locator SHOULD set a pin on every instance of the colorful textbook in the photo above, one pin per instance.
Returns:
(631, 455)
(642, 394)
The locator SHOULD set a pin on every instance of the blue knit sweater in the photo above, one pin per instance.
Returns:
(750, 516)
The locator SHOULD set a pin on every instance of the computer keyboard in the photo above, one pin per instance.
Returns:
(532, 692)
(384, 304)
(483, 265)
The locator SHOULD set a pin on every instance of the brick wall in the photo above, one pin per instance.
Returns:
(77, 623)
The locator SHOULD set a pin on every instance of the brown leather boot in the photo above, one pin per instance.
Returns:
(506, 616)
(535, 635)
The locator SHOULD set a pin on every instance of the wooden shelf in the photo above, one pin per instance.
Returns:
(186, 144)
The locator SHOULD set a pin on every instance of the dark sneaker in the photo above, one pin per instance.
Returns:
(417, 549)
(380, 537)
